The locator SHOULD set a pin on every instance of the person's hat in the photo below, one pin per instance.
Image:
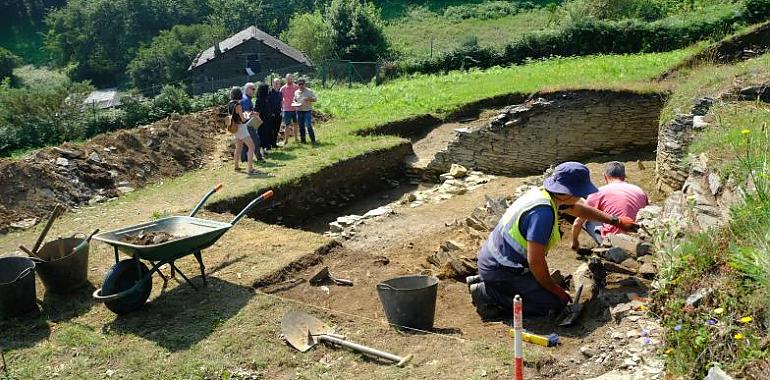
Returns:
(571, 178)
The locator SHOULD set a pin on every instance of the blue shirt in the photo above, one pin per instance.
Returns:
(535, 225)
(246, 104)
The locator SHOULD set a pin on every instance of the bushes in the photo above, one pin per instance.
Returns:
(166, 59)
(594, 36)
(310, 33)
(8, 62)
(39, 115)
(486, 10)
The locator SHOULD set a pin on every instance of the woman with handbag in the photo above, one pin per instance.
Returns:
(236, 125)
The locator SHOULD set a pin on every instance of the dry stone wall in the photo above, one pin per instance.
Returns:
(556, 127)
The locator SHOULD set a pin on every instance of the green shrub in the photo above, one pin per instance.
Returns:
(166, 59)
(8, 62)
(757, 10)
(310, 33)
(486, 11)
(357, 30)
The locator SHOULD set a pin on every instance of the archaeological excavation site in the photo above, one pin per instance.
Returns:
(370, 237)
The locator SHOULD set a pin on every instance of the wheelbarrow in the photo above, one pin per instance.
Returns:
(127, 285)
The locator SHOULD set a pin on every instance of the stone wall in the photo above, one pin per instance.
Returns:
(298, 202)
(556, 127)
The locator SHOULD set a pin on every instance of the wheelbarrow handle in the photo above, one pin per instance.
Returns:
(400, 361)
(266, 195)
(205, 198)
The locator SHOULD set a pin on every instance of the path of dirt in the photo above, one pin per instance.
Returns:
(437, 139)
(406, 239)
(105, 167)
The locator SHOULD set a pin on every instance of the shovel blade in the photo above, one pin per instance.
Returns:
(300, 330)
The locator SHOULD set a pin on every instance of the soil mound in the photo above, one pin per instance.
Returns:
(105, 167)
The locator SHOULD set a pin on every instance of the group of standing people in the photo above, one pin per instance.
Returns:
(263, 112)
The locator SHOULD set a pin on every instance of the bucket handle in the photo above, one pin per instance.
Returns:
(385, 286)
(27, 270)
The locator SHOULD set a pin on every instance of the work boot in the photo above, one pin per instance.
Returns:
(470, 280)
(485, 307)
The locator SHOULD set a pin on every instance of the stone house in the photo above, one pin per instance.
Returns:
(249, 55)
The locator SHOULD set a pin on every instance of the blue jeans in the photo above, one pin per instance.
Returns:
(305, 120)
(289, 117)
(594, 230)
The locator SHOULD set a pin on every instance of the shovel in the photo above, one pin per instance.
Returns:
(324, 275)
(303, 331)
(572, 312)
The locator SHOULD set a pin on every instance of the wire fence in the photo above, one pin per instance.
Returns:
(341, 72)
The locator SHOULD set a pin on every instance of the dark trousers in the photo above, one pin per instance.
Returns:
(276, 121)
(265, 132)
(536, 300)
(254, 137)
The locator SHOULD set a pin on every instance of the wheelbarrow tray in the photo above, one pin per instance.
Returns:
(194, 235)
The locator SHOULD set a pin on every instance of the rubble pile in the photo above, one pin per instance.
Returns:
(103, 168)
(457, 181)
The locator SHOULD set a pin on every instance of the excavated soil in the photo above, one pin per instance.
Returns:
(402, 243)
(104, 167)
(150, 238)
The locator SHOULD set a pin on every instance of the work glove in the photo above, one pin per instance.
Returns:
(627, 224)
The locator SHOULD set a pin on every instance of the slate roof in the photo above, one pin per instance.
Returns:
(104, 98)
(245, 35)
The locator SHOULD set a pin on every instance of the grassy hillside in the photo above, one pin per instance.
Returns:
(413, 34)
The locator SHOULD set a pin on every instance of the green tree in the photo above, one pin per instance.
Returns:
(165, 60)
(98, 38)
(270, 16)
(357, 27)
(309, 33)
(8, 62)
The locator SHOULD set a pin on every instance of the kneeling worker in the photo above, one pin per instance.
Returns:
(512, 260)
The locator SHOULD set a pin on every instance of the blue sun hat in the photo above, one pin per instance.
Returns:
(571, 178)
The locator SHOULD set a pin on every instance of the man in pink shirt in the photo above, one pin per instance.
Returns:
(289, 113)
(617, 197)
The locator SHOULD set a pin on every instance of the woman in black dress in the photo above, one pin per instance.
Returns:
(262, 105)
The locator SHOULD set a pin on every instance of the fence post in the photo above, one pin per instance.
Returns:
(350, 74)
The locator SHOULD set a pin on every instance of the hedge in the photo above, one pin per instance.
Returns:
(597, 37)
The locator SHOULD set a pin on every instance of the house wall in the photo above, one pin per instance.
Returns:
(229, 69)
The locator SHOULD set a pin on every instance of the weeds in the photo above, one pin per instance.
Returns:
(730, 326)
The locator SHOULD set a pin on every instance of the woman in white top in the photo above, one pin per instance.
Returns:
(242, 135)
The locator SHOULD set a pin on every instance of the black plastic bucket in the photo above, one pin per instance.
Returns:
(17, 286)
(409, 301)
(65, 264)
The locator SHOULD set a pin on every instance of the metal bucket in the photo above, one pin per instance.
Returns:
(65, 264)
(409, 301)
(17, 286)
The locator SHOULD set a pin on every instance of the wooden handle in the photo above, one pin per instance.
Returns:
(57, 210)
(218, 187)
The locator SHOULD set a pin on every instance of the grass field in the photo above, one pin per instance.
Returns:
(231, 328)
(414, 34)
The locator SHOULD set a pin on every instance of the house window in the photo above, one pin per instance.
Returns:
(253, 63)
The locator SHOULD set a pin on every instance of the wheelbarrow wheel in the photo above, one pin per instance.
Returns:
(121, 277)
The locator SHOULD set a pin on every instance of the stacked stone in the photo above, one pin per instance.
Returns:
(527, 138)
(674, 138)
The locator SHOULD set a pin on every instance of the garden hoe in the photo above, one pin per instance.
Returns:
(303, 331)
